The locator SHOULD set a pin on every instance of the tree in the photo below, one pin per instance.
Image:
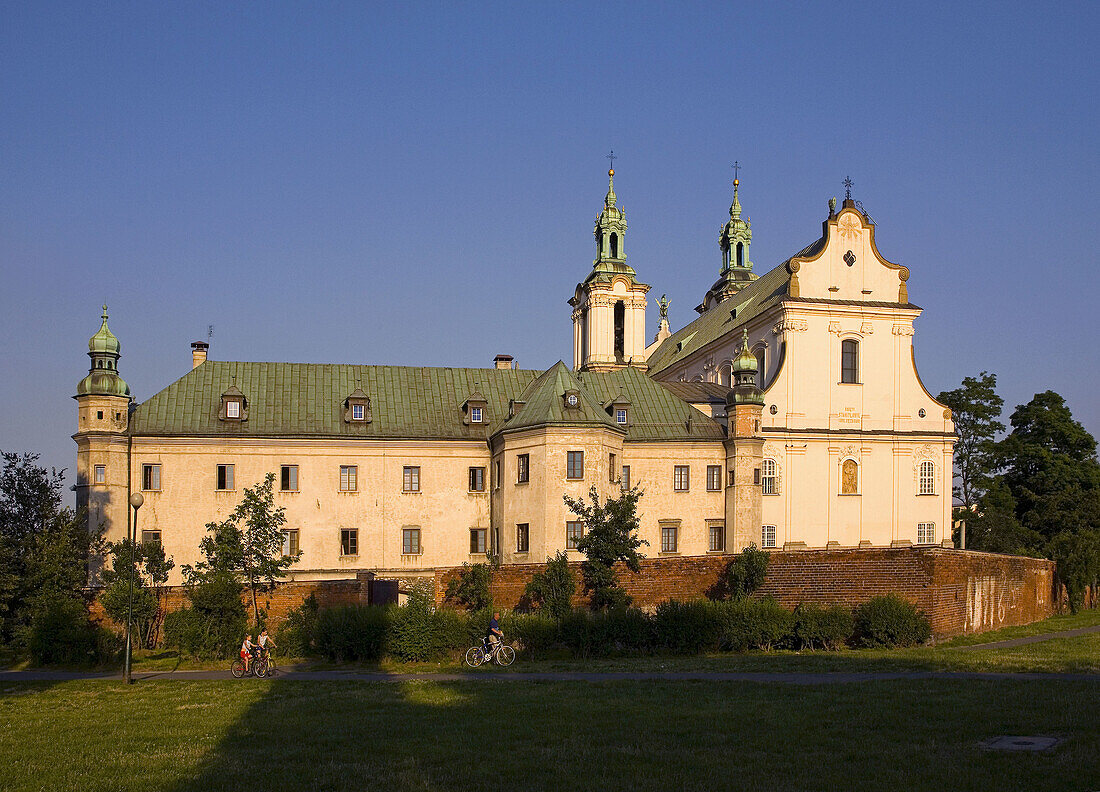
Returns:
(1077, 561)
(742, 576)
(994, 527)
(610, 536)
(248, 543)
(472, 587)
(975, 409)
(552, 589)
(150, 574)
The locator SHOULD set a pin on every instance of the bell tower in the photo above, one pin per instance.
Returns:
(744, 452)
(609, 305)
(736, 271)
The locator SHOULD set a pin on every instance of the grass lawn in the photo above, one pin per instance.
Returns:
(234, 735)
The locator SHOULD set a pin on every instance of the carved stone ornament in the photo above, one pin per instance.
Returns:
(850, 227)
(834, 327)
(925, 453)
(866, 328)
(902, 330)
(790, 325)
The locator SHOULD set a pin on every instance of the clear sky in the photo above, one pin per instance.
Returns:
(408, 183)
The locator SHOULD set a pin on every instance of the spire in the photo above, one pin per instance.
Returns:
(735, 207)
(745, 390)
(104, 350)
(734, 241)
(610, 232)
(609, 199)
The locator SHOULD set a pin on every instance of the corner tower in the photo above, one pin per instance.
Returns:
(744, 452)
(609, 305)
(736, 271)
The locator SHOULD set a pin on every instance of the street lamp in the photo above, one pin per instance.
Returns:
(136, 500)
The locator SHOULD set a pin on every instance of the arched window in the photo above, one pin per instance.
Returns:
(620, 324)
(760, 368)
(725, 375)
(769, 478)
(614, 246)
(927, 478)
(849, 360)
(740, 254)
(849, 477)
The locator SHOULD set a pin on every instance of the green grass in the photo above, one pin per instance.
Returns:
(233, 735)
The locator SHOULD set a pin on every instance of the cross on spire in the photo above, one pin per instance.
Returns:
(612, 157)
(736, 167)
(847, 189)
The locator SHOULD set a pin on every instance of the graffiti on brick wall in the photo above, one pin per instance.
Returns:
(989, 599)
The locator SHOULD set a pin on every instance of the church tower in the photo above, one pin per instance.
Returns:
(744, 452)
(609, 306)
(103, 402)
(737, 271)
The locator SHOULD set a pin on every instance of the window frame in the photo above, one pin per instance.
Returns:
(292, 542)
(358, 412)
(478, 473)
(849, 345)
(716, 530)
(411, 548)
(768, 536)
(476, 415)
(681, 478)
(523, 468)
(349, 542)
(99, 474)
(288, 478)
(150, 477)
(714, 478)
(224, 475)
(410, 478)
(479, 537)
(523, 532)
(926, 485)
(574, 532)
(233, 408)
(349, 478)
(612, 459)
(673, 531)
(624, 477)
(574, 465)
(769, 476)
(930, 527)
(149, 532)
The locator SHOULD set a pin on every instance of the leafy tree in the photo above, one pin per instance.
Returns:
(994, 527)
(975, 409)
(472, 586)
(248, 543)
(742, 576)
(150, 574)
(1077, 560)
(610, 536)
(552, 589)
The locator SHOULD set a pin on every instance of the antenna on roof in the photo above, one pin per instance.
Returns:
(209, 333)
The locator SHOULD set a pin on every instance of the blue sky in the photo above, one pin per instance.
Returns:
(416, 183)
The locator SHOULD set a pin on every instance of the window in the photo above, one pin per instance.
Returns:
(681, 475)
(232, 409)
(349, 478)
(150, 537)
(574, 464)
(849, 361)
(100, 474)
(767, 536)
(625, 478)
(523, 537)
(349, 541)
(358, 411)
(717, 538)
(99, 414)
(927, 478)
(760, 368)
(714, 478)
(620, 416)
(523, 468)
(150, 477)
(611, 468)
(477, 540)
(290, 542)
(725, 375)
(926, 533)
(668, 538)
(849, 477)
(769, 480)
(475, 415)
(288, 478)
(574, 530)
(477, 479)
(225, 477)
(410, 541)
(496, 474)
(410, 481)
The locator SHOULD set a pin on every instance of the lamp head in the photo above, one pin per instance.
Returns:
(136, 500)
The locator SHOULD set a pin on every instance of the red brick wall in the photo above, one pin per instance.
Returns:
(961, 591)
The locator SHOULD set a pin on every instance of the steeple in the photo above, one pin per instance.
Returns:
(103, 379)
(734, 240)
(745, 389)
(610, 233)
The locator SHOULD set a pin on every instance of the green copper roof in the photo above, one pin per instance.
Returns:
(545, 403)
(104, 340)
(656, 413)
(103, 378)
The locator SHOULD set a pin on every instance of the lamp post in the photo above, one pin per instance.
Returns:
(136, 500)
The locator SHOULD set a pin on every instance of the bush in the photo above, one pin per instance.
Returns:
(824, 628)
(606, 632)
(472, 587)
(60, 633)
(353, 633)
(534, 632)
(295, 635)
(216, 622)
(754, 624)
(552, 589)
(743, 576)
(688, 627)
(890, 621)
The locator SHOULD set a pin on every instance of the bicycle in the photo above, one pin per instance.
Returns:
(502, 653)
(257, 668)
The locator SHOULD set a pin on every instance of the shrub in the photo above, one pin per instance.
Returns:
(216, 622)
(743, 575)
(295, 635)
(353, 633)
(534, 632)
(450, 632)
(411, 635)
(825, 628)
(889, 621)
(606, 632)
(688, 627)
(60, 633)
(472, 587)
(552, 589)
(754, 624)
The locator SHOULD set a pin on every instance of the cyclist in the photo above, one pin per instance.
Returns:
(246, 651)
(263, 642)
(494, 635)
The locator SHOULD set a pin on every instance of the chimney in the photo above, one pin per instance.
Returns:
(503, 361)
(198, 353)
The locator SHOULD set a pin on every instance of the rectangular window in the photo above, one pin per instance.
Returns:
(475, 415)
(150, 537)
(626, 477)
(477, 479)
(681, 478)
(729, 478)
(410, 481)
(849, 361)
(523, 468)
(410, 541)
(349, 478)
(767, 536)
(288, 478)
(349, 541)
(496, 475)
(927, 478)
(574, 530)
(668, 538)
(523, 537)
(717, 538)
(290, 542)
(620, 416)
(225, 477)
(769, 479)
(574, 464)
(714, 478)
(926, 533)
(100, 474)
(611, 468)
(357, 412)
(232, 409)
(150, 477)
(477, 540)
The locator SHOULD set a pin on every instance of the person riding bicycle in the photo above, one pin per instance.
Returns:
(246, 651)
(493, 635)
(263, 641)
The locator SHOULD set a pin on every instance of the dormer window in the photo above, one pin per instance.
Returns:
(572, 400)
(232, 409)
(357, 407)
(474, 409)
(234, 405)
(475, 415)
(620, 416)
(619, 409)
